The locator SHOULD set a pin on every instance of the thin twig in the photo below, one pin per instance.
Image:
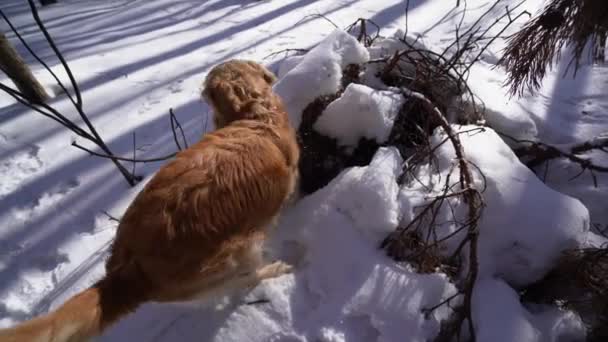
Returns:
(110, 217)
(407, 9)
(428, 311)
(133, 160)
(48, 111)
(56, 51)
(175, 124)
(316, 16)
(286, 51)
(134, 154)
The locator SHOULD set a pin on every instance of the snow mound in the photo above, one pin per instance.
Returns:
(347, 289)
(371, 199)
(319, 72)
(347, 281)
(513, 322)
(361, 111)
(520, 211)
(287, 64)
(499, 110)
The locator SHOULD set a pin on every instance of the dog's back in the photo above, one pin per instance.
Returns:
(198, 208)
(197, 226)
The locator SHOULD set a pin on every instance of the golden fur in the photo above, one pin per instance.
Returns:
(197, 226)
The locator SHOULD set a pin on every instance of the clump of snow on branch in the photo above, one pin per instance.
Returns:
(361, 111)
(319, 72)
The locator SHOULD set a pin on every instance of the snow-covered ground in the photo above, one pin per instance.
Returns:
(136, 59)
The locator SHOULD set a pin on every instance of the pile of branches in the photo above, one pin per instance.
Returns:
(537, 46)
(437, 75)
(435, 85)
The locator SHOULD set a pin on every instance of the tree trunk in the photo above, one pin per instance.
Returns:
(16, 69)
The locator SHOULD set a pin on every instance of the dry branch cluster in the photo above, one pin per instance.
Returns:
(435, 85)
(438, 95)
(432, 77)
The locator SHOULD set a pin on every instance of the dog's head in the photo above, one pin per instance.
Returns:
(231, 87)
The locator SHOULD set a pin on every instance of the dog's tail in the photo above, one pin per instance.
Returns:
(85, 315)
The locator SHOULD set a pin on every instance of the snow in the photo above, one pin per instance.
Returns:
(287, 64)
(360, 112)
(503, 114)
(319, 72)
(372, 197)
(514, 322)
(557, 324)
(520, 211)
(136, 59)
(346, 289)
(511, 323)
(340, 292)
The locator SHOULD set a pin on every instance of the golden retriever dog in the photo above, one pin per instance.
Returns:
(197, 227)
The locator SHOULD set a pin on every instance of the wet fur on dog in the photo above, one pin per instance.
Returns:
(196, 228)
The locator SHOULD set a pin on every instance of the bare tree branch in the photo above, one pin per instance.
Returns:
(175, 124)
(134, 160)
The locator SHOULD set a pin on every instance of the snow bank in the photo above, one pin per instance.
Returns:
(370, 196)
(556, 324)
(319, 72)
(287, 64)
(347, 289)
(361, 111)
(500, 111)
(513, 322)
(510, 323)
(520, 211)
(524, 228)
